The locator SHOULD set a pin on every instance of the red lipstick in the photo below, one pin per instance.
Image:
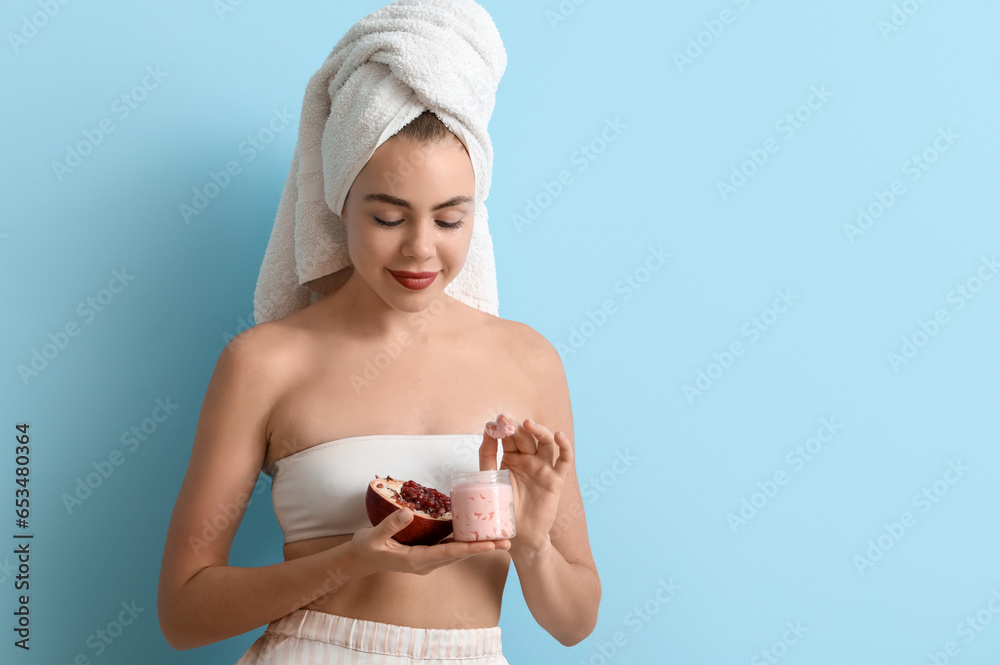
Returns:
(414, 280)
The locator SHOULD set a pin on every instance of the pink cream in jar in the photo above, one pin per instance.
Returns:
(482, 506)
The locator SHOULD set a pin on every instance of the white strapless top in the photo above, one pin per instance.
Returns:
(320, 491)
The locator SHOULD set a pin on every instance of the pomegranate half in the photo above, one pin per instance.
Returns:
(431, 509)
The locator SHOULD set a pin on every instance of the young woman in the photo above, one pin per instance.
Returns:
(295, 390)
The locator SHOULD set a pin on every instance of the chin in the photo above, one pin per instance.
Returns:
(430, 299)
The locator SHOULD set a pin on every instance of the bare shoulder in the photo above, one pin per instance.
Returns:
(530, 346)
(265, 346)
(542, 371)
(545, 377)
(262, 359)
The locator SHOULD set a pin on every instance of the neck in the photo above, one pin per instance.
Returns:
(363, 313)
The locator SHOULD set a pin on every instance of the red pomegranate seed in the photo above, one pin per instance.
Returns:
(424, 499)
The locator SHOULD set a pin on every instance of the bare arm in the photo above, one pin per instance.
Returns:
(562, 596)
(223, 601)
(200, 598)
(556, 569)
(557, 572)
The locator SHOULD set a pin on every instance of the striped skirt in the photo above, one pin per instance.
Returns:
(309, 637)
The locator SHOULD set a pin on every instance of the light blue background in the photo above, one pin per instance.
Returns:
(660, 516)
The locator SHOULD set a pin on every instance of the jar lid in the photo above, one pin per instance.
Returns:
(490, 477)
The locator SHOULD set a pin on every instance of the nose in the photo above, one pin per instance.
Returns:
(419, 241)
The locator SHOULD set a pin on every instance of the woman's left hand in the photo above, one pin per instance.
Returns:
(539, 462)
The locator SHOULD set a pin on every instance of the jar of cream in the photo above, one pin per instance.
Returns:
(482, 505)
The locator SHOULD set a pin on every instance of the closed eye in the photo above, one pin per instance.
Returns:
(447, 225)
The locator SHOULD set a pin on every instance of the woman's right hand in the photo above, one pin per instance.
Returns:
(377, 551)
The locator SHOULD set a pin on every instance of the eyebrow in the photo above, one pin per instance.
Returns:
(396, 201)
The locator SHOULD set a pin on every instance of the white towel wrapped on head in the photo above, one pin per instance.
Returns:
(410, 56)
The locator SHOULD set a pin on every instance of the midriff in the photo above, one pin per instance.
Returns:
(464, 594)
